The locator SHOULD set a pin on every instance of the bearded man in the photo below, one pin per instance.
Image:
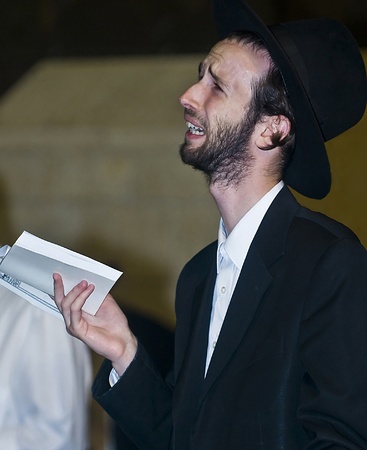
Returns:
(271, 335)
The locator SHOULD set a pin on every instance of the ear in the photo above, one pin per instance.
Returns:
(272, 130)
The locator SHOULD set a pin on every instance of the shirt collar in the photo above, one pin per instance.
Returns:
(245, 229)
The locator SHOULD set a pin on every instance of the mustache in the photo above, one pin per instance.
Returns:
(191, 113)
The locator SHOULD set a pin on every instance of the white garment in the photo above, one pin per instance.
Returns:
(45, 379)
(231, 254)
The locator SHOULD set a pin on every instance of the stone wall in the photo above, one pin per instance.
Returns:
(90, 161)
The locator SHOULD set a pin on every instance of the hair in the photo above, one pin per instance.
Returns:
(269, 97)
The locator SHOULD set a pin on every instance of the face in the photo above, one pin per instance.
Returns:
(219, 132)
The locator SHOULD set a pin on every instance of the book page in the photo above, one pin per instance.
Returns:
(33, 261)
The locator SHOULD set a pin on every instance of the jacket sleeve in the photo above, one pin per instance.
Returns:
(333, 342)
(140, 402)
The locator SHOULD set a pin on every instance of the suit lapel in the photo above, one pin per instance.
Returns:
(253, 282)
(191, 367)
(196, 298)
(255, 278)
(196, 353)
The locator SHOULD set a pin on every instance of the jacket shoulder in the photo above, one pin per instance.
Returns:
(321, 222)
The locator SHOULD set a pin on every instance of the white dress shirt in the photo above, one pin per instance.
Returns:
(231, 254)
(45, 379)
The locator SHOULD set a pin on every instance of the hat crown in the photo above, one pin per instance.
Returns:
(331, 70)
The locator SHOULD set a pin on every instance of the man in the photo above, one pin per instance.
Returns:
(271, 335)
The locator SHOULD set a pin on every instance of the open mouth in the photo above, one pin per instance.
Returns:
(198, 131)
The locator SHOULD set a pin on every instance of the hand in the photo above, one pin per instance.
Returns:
(107, 333)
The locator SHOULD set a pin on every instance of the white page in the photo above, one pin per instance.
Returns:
(33, 261)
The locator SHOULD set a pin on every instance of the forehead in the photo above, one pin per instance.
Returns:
(230, 59)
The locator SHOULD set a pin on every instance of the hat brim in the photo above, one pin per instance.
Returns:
(309, 170)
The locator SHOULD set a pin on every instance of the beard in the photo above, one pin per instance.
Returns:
(225, 157)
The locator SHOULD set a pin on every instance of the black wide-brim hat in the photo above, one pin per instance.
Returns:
(325, 76)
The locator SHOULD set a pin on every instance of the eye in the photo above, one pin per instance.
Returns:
(217, 87)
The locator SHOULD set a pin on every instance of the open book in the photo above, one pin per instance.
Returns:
(27, 267)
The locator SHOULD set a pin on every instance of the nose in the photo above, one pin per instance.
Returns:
(191, 98)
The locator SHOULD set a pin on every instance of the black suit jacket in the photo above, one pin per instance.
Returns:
(289, 370)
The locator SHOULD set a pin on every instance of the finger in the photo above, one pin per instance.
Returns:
(79, 295)
(59, 293)
(70, 297)
(63, 301)
(76, 308)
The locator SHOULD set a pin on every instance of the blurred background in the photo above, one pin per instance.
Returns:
(35, 29)
(90, 126)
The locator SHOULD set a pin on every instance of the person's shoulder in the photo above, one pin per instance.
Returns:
(316, 240)
(314, 234)
(305, 221)
(321, 224)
